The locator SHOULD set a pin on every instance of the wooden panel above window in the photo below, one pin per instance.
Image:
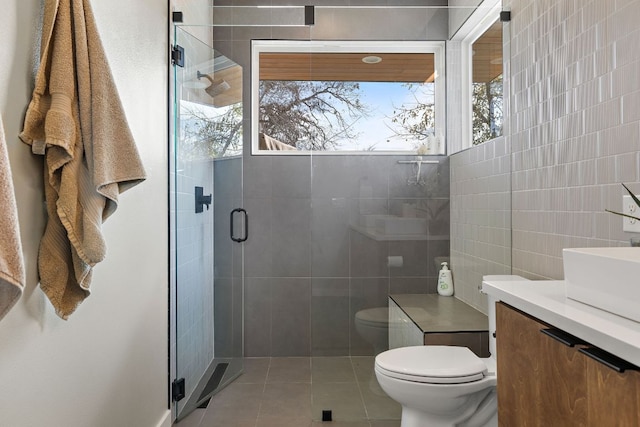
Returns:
(487, 55)
(393, 67)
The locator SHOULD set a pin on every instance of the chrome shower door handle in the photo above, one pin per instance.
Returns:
(246, 225)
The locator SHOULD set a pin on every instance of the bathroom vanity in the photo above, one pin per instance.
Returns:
(431, 319)
(561, 362)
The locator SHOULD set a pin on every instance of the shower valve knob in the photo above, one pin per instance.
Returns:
(201, 199)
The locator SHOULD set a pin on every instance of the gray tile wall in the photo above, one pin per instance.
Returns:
(574, 126)
(480, 218)
(194, 314)
(307, 271)
(227, 259)
(574, 131)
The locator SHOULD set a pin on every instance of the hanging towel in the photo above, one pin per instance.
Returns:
(76, 121)
(265, 142)
(11, 263)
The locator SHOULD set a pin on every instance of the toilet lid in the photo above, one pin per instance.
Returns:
(432, 364)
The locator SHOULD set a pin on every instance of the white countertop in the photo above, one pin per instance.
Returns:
(546, 301)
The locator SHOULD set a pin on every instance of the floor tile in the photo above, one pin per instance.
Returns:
(193, 419)
(284, 422)
(289, 398)
(332, 370)
(386, 423)
(369, 383)
(255, 370)
(237, 402)
(289, 370)
(378, 405)
(229, 421)
(343, 399)
(363, 367)
(342, 424)
(286, 400)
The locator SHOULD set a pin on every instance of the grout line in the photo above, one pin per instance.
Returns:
(364, 406)
(264, 389)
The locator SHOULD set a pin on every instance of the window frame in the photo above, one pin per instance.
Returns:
(478, 23)
(305, 46)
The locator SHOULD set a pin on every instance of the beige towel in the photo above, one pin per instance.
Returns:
(76, 120)
(11, 263)
(265, 142)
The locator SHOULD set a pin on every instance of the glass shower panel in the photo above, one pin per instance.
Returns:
(375, 231)
(208, 188)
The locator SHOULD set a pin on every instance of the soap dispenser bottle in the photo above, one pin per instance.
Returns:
(445, 281)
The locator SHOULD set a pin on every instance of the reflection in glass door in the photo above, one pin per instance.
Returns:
(208, 222)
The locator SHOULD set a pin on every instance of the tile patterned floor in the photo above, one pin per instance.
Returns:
(293, 391)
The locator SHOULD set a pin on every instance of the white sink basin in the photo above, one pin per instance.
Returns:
(606, 278)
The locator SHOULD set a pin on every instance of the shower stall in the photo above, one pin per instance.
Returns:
(208, 222)
(327, 242)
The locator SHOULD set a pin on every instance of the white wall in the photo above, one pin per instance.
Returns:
(107, 365)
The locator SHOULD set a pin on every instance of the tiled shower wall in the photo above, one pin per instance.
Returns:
(574, 131)
(307, 272)
(193, 252)
(480, 218)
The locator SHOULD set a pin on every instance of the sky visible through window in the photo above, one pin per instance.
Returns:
(378, 132)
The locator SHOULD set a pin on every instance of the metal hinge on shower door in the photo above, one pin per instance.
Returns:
(177, 55)
(178, 389)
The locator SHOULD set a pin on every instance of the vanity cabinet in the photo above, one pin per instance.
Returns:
(545, 380)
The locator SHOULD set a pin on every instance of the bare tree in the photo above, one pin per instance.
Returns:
(416, 120)
(487, 110)
(211, 133)
(310, 115)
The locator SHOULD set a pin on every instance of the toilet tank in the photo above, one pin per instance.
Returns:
(491, 310)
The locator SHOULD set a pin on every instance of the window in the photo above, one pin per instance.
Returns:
(486, 85)
(347, 97)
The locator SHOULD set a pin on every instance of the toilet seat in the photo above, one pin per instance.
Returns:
(432, 364)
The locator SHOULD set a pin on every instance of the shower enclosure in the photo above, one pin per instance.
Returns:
(332, 234)
(207, 218)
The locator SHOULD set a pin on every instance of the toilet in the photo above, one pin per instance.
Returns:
(443, 386)
(372, 325)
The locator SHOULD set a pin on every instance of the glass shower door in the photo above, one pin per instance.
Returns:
(209, 223)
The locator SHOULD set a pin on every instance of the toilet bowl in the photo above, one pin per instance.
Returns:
(372, 324)
(439, 386)
(443, 386)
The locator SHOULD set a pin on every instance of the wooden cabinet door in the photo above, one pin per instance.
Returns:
(519, 343)
(614, 398)
(563, 384)
(541, 382)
